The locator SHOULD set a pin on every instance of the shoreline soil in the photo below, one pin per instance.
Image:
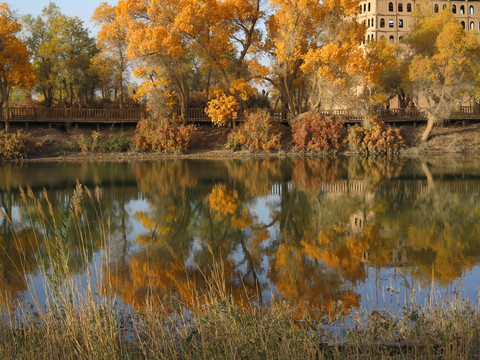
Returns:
(56, 145)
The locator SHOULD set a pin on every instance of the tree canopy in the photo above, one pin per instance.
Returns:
(15, 67)
(444, 68)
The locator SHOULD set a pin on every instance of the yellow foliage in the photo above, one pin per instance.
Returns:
(221, 202)
(15, 67)
(242, 88)
(222, 108)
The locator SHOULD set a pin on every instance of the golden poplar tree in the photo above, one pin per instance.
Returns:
(444, 68)
(15, 67)
(111, 64)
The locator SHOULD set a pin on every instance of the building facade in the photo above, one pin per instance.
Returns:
(393, 19)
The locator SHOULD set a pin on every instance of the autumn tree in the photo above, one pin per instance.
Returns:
(393, 79)
(15, 68)
(289, 36)
(444, 69)
(343, 72)
(111, 65)
(62, 49)
(317, 57)
(182, 46)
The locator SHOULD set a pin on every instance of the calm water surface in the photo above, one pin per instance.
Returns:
(326, 234)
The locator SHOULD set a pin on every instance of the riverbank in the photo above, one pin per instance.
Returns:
(59, 145)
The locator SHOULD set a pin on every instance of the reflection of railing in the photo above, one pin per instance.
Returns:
(340, 186)
(407, 187)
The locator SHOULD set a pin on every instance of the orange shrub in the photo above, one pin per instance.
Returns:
(378, 139)
(163, 135)
(222, 108)
(313, 132)
(16, 145)
(255, 133)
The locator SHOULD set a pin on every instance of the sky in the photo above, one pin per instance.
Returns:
(81, 8)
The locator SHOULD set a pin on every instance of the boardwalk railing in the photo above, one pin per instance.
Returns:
(198, 115)
(73, 115)
(387, 115)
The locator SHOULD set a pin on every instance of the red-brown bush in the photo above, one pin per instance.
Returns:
(314, 132)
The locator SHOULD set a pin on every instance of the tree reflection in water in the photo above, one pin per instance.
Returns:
(305, 231)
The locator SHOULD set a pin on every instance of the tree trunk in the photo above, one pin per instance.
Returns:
(428, 131)
(49, 98)
(121, 91)
(183, 111)
(7, 118)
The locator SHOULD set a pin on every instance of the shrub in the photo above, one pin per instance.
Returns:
(222, 108)
(163, 135)
(117, 143)
(314, 132)
(378, 139)
(91, 143)
(94, 143)
(255, 133)
(16, 145)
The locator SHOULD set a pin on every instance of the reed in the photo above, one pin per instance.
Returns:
(82, 322)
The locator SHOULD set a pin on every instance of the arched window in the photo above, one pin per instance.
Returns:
(444, 6)
(391, 38)
(462, 9)
(390, 23)
(368, 22)
(365, 23)
(390, 6)
(472, 10)
(400, 7)
(400, 23)
(472, 26)
(409, 7)
(360, 10)
(400, 38)
(463, 25)
(369, 7)
(364, 7)
(435, 8)
(454, 9)
(373, 22)
(382, 23)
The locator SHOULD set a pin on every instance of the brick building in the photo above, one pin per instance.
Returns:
(392, 19)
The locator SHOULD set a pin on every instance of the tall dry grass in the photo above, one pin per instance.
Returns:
(80, 322)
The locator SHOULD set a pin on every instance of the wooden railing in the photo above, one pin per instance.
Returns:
(198, 115)
(73, 114)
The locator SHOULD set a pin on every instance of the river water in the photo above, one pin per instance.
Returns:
(329, 234)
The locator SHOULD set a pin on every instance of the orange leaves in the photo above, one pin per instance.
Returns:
(188, 36)
(242, 89)
(221, 202)
(222, 108)
(255, 133)
(163, 135)
(15, 67)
